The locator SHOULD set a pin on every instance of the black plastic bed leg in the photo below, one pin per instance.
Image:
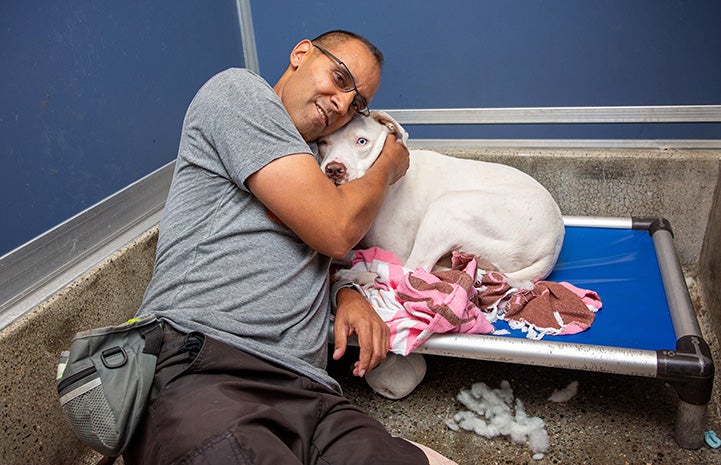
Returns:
(690, 425)
(689, 369)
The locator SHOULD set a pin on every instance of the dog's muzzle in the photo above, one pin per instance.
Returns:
(336, 172)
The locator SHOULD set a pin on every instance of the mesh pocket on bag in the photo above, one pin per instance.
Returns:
(91, 416)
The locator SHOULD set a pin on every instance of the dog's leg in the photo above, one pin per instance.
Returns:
(515, 242)
(534, 272)
(447, 223)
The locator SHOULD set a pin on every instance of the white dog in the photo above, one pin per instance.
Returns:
(442, 204)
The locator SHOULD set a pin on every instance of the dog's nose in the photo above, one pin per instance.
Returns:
(335, 171)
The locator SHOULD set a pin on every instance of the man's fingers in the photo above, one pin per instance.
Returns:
(399, 154)
(365, 343)
(341, 340)
(373, 342)
(382, 344)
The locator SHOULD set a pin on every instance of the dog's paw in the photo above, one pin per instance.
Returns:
(397, 376)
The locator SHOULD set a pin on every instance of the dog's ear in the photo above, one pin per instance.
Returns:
(387, 120)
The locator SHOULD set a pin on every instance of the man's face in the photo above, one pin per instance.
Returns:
(308, 91)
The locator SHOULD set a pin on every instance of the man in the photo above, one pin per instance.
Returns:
(241, 273)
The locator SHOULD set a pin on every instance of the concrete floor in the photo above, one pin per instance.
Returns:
(613, 419)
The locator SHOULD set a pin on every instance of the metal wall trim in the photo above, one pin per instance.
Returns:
(602, 144)
(561, 115)
(247, 34)
(42, 267)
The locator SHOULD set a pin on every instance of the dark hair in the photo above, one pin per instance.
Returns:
(338, 36)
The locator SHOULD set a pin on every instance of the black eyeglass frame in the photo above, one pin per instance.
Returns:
(358, 101)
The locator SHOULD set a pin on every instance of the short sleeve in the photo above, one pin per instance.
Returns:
(237, 115)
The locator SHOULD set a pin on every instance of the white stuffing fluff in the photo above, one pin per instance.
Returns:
(565, 394)
(495, 412)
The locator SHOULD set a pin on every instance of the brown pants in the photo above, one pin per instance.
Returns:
(213, 404)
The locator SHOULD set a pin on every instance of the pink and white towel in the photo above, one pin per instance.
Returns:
(465, 299)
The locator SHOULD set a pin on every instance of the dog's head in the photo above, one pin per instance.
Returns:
(349, 152)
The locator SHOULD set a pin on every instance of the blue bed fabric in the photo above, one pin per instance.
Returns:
(621, 266)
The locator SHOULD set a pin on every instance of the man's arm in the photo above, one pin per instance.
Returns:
(332, 219)
(329, 218)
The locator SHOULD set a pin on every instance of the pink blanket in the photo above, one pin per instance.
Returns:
(465, 299)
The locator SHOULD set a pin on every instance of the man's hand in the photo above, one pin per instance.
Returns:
(356, 316)
(397, 155)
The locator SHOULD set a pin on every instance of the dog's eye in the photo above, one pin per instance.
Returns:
(362, 141)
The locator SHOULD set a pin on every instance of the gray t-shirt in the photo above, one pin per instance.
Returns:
(225, 266)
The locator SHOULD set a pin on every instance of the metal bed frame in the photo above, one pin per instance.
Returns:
(688, 367)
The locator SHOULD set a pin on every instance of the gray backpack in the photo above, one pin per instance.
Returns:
(104, 381)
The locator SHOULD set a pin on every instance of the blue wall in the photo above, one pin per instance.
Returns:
(92, 93)
(522, 53)
(92, 96)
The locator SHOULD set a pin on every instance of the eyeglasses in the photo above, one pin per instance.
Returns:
(343, 79)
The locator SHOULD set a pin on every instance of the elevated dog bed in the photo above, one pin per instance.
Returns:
(632, 264)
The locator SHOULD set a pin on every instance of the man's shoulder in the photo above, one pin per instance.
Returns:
(233, 88)
(240, 76)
